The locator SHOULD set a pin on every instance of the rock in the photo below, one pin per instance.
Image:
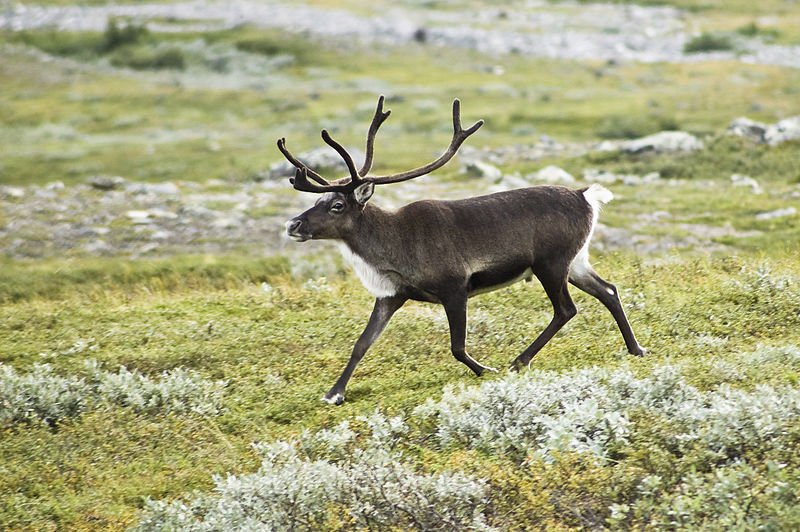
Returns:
(749, 129)
(226, 223)
(139, 217)
(552, 174)
(12, 192)
(784, 131)
(594, 175)
(664, 142)
(167, 188)
(97, 247)
(740, 180)
(103, 182)
(780, 213)
(482, 169)
(318, 159)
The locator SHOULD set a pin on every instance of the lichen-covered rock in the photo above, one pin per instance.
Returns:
(552, 174)
(664, 142)
(482, 169)
(786, 130)
(749, 129)
(318, 159)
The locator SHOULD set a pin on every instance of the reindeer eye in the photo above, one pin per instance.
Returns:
(337, 206)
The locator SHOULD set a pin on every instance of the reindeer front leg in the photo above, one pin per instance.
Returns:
(455, 306)
(384, 309)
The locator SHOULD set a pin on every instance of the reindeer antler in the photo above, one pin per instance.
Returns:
(357, 177)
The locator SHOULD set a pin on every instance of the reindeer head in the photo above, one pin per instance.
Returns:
(343, 200)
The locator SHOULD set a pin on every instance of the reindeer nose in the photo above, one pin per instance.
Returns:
(293, 225)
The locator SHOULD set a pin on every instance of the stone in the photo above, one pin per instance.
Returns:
(104, 182)
(323, 158)
(664, 142)
(740, 180)
(482, 169)
(12, 192)
(746, 128)
(779, 213)
(553, 174)
(167, 188)
(784, 131)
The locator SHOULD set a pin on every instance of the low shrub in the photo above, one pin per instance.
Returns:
(116, 35)
(42, 395)
(630, 127)
(708, 42)
(590, 448)
(331, 480)
(145, 58)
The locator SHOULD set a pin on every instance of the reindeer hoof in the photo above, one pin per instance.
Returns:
(334, 399)
(639, 351)
(517, 366)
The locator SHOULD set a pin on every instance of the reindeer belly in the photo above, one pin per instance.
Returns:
(493, 279)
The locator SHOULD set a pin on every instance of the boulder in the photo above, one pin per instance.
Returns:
(784, 131)
(740, 180)
(779, 213)
(167, 188)
(552, 174)
(749, 129)
(319, 159)
(104, 182)
(664, 142)
(482, 169)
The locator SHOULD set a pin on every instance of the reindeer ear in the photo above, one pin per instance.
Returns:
(363, 192)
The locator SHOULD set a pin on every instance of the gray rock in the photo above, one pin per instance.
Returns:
(104, 182)
(139, 217)
(784, 131)
(749, 129)
(553, 174)
(740, 180)
(482, 169)
(318, 159)
(12, 192)
(779, 213)
(664, 142)
(167, 188)
(594, 175)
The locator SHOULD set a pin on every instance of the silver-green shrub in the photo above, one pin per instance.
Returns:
(332, 479)
(597, 411)
(41, 394)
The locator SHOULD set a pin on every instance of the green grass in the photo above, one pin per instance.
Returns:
(94, 470)
(280, 349)
(112, 121)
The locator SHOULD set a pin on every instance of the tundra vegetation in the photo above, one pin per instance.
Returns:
(163, 349)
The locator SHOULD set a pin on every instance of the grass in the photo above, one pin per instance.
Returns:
(146, 128)
(280, 345)
(266, 344)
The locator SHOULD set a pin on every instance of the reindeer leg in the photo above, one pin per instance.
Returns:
(587, 280)
(455, 307)
(554, 283)
(383, 311)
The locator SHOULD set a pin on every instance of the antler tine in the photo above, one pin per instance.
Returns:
(377, 120)
(348, 159)
(299, 164)
(300, 182)
(459, 136)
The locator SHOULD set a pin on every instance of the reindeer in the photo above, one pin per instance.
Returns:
(448, 251)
